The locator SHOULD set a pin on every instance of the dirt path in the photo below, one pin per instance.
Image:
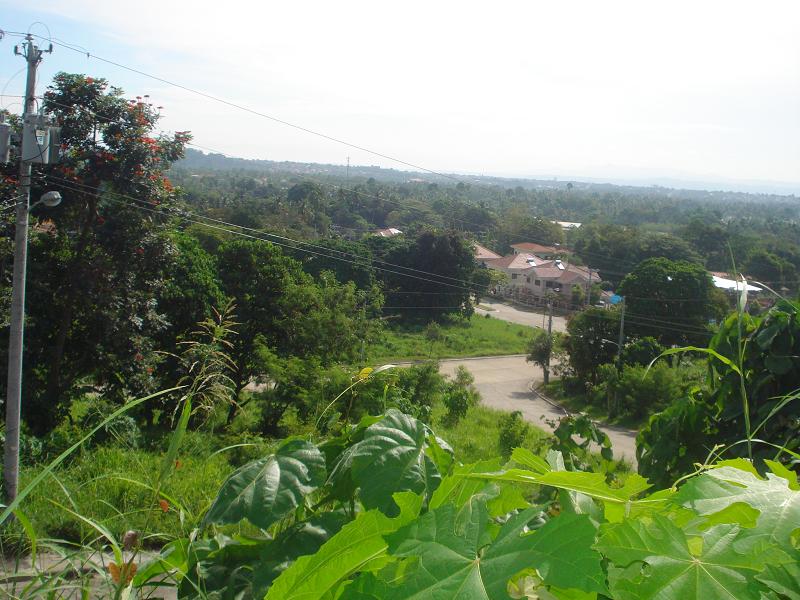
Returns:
(505, 383)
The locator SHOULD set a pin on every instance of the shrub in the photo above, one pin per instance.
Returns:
(636, 392)
(642, 351)
(513, 431)
(459, 395)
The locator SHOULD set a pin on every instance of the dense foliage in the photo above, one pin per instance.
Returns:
(753, 378)
(384, 510)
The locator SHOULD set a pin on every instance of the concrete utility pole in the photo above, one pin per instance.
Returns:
(33, 56)
(546, 369)
(621, 334)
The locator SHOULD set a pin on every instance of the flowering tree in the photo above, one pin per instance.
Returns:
(95, 275)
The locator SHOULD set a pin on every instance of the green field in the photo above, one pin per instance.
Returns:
(479, 336)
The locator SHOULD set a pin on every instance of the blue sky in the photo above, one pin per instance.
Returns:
(611, 90)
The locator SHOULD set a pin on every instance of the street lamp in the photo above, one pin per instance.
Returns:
(49, 199)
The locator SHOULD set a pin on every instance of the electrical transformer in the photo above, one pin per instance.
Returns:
(36, 140)
(5, 142)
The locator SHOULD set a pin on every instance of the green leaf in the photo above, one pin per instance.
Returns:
(221, 568)
(528, 459)
(779, 365)
(782, 579)
(440, 452)
(391, 458)
(266, 490)
(654, 559)
(591, 484)
(458, 488)
(454, 556)
(781, 471)
(739, 513)
(723, 359)
(175, 439)
(717, 489)
(357, 545)
(173, 558)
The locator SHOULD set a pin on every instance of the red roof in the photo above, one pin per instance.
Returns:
(516, 261)
(483, 253)
(534, 248)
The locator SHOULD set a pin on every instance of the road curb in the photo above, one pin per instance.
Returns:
(464, 358)
(551, 402)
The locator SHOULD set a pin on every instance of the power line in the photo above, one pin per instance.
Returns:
(352, 190)
(255, 237)
(246, 109)
(288, 239)
(235, 105)
(468, 286)
(405, 206)
(666, 325)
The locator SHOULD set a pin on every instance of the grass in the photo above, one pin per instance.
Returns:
(475, 437)
(111, 485)
(478, 336)
(577, 402)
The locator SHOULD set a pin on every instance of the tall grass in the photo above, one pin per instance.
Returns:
(478, 336)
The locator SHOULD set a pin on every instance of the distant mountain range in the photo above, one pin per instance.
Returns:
(657, 185)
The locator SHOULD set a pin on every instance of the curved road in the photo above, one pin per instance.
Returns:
(506, 312)
(505, 383)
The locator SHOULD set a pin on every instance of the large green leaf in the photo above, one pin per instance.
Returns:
(782, 579)
(778, 504)
(223, 567)
(391, 458)
(454, 556)
(266, 490)
(655, 559)
(458, 487)
(591, 484)
(357, 546)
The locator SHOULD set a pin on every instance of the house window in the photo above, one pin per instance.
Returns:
(548, 284)
(513, 276)
(537, 282)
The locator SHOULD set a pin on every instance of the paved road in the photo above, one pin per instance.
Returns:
(522, 317)
(505, 383)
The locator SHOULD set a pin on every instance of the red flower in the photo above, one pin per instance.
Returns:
(138, 357)
(140, 251)
(164, 505)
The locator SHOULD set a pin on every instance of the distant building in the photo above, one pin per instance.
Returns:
(534, 279)
(538, 249)
(567, 225)
(722, 281)
(483, 255)
(388, 232)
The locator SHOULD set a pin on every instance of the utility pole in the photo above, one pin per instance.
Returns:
(589, 287)
(621, 335)
(546, 369)
(33, 56)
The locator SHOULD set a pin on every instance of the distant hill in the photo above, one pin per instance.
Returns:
(199, 161)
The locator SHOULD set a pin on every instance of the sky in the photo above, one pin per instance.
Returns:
(616, 90)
